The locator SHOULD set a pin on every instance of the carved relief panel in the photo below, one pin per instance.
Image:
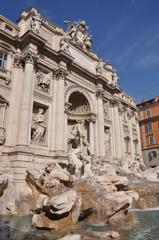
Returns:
(107, 112)
(42, 80)
(39, 124)
(107, 135)
(3, 106)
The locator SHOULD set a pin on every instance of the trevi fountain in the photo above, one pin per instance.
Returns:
(70, 156)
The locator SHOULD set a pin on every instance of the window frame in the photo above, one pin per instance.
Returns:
(151, 139)
(3, 59)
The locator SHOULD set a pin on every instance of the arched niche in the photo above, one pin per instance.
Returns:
(79, 104)
(79, 115)
(3, 106)
(82, 91)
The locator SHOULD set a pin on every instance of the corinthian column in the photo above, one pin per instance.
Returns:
(26, 101)
(138, 134)
(15, 98)
(121, 111)
(129, 113)
(100, 123)
(117, 133)
(59, 76)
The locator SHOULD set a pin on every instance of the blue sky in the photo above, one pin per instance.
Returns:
(125, 32)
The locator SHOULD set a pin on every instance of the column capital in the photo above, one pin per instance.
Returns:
(60, 73)
(29, 57)
(18, 61)
(92, 118)
(100, 94)
(114, 102)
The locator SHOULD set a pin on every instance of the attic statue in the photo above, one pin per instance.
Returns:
(77, 33)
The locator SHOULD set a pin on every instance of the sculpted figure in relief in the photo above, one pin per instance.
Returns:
(107, 109)
(115, 79)
(64, 43)
(35, 22)
(38, 127)
(99, 67)
(107, 140)
(77, 33)
(78, 131)
(43, 81)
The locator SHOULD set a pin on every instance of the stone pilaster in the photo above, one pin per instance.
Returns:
(100, 122)
(14, 103)
(138, 135)
(121, 111)
(116, 126)
(59, 77)
(26, 101)
(129, 114)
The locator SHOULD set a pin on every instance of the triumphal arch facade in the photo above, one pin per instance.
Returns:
(56, 94)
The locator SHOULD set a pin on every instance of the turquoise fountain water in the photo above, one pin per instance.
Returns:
(19, 228)
(148, 227)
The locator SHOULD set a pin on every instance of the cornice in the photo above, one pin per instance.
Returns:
(64, 56)
(8, 36)
(31, 37)
(42, 95)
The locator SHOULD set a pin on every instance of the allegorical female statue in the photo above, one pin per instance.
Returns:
(38, 127)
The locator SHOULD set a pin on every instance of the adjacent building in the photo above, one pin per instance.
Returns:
(57, 94)
(149, 130)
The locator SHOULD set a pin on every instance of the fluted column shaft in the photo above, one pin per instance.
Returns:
(100, 120)
(26, 102)
(117, 131)
(14, 106)
(60, 75)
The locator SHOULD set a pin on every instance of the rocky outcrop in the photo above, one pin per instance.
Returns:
(151, 174)
(3, 183)
(105, 235)
(56, 204)
(71, 237)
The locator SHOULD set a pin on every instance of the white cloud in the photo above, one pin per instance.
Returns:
(149, 60)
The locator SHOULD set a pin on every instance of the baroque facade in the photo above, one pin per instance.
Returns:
(57, 94)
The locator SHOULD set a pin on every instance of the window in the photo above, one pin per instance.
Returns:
(148, 112)
(152, 155)
(3, 59)
(151, 139)
(127, 144)
(148, 127)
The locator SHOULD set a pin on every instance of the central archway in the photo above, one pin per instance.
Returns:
(78, 121)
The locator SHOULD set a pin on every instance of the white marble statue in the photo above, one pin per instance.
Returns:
(115, 79)
(78, 131)
(99, 67)
(78, 34)
(64, 43)
(107, 109)
(35, 22)
(43, 81)
(38, 127)
(107, 140)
